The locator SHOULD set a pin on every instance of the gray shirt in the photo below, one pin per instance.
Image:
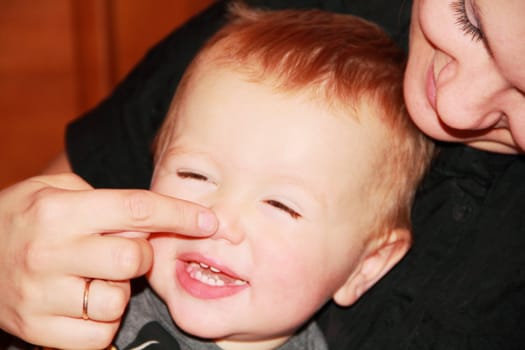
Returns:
(146, 307)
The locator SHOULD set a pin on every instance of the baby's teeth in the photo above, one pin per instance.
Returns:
(198, 275)
(206, 266)
(190, 267)
(204, 278)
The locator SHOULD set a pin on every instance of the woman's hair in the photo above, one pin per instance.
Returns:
(342, 62)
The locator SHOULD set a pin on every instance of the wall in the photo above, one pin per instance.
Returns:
(60, 57)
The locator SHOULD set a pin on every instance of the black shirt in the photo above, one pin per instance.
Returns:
(462, 285)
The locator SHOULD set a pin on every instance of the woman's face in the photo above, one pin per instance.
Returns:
(465, 79)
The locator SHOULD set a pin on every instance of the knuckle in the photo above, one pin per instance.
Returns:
(42, 215)
(19, 327)
(139, 205)
(25, 328)
(34, 257)
(128, 258)
(116, 303)
(101, 336)
(185, 216)
(44, 207)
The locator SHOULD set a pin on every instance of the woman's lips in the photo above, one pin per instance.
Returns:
(431, 87)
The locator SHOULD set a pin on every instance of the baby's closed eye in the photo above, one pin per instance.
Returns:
(196, 176)
(279, 205)
(186, 174)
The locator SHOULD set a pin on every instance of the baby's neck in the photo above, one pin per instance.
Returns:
(267, 344)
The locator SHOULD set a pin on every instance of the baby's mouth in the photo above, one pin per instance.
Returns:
(211, 276)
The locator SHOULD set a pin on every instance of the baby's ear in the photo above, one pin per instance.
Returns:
(384, 253)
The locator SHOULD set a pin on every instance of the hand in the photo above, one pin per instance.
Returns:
(53, 234)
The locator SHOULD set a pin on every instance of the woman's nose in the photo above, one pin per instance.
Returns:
(469, 95)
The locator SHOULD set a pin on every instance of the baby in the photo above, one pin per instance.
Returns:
(291, 126)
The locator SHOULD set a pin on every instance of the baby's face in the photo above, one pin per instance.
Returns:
(286, 179)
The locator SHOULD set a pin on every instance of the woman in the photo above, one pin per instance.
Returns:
(461, 286)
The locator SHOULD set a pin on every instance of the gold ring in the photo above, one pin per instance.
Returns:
(86, 299)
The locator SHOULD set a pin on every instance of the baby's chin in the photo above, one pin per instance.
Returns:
(199, 325)
(217, 331)
(198, 330)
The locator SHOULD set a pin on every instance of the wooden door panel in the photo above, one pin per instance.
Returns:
(60, 57)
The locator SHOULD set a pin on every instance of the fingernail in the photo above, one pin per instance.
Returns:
(207, 222)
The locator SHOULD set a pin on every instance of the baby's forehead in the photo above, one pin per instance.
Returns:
(365, 109)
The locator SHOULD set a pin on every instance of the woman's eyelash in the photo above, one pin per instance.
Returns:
(464, 22)
(288, 210)
(191, 175)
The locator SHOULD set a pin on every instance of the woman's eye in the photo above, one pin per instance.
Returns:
(462, 19)
(183, 174)
(286, 209)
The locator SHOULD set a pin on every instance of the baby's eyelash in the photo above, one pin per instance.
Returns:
(184, 174)
(464, 22)
(281, 206)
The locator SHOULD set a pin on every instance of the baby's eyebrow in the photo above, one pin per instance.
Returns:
(177, 153)
(303, 187)
(181, 151)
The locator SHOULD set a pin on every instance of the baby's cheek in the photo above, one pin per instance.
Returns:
(300, 282)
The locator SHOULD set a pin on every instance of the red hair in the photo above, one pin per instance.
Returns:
(341, 60)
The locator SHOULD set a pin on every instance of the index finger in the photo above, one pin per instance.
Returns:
(105, 210)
